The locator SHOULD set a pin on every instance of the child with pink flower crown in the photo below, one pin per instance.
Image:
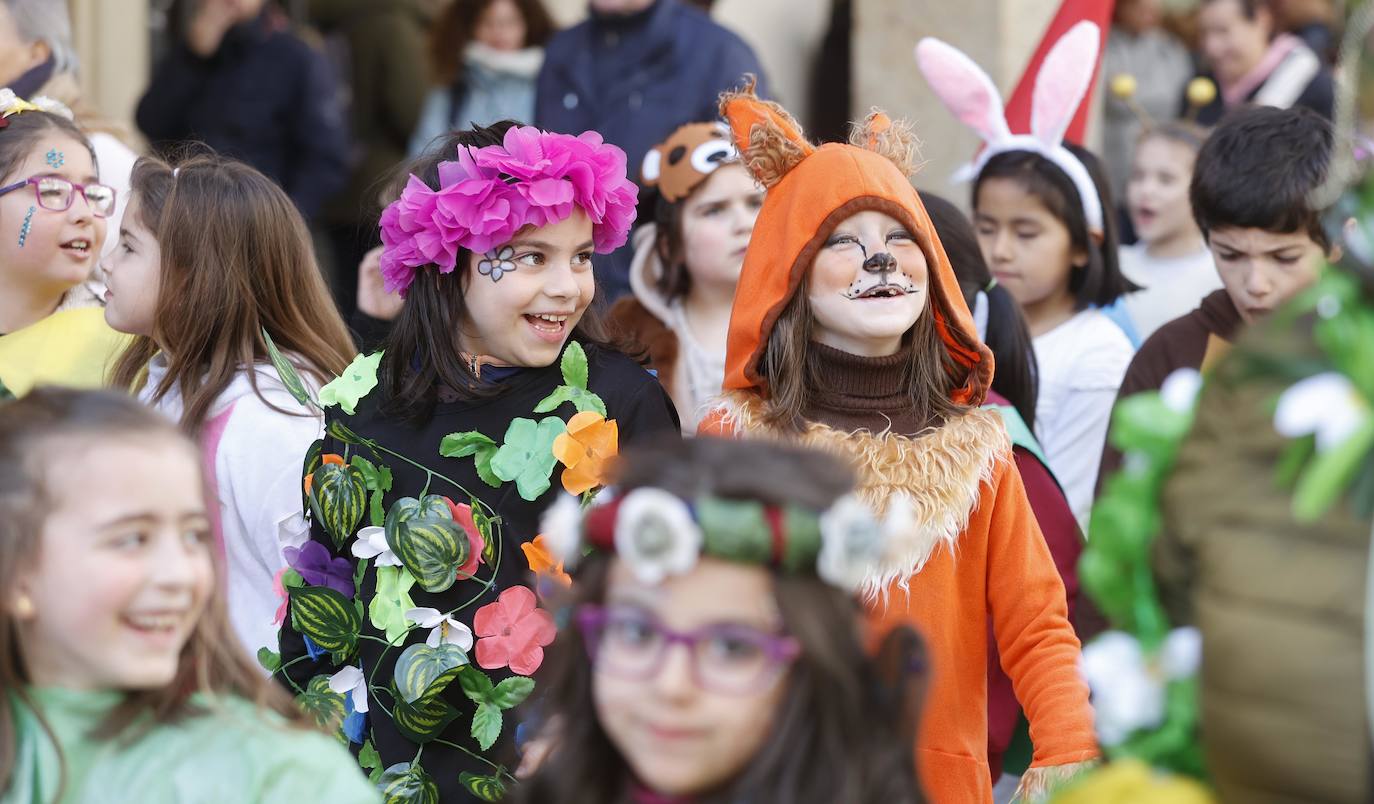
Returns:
(496, 386)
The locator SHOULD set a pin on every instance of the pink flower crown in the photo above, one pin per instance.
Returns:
(533, 178)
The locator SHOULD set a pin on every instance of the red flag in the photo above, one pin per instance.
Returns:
(1070, 12)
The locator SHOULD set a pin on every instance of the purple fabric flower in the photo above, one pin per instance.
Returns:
(317, 568)
(534, 178)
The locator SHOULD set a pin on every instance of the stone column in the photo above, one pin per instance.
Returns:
(111, 39)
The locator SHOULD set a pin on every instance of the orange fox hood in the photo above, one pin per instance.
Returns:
(810, 191)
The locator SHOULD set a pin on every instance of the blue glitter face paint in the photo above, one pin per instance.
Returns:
(56, 158)
(28, 224)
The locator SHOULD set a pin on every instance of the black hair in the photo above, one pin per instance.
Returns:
(846, 724)
(422, 356)
(1259, 169)
(1100, 282)
(1248, 8)
(1017, 374)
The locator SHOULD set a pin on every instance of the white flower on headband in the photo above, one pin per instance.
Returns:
(851, 543)
(7, 99)
(561, 527)
(53, 106)
(655, 535)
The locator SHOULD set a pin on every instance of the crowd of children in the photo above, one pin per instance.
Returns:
(863, 433)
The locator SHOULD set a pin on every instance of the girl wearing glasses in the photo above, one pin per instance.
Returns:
(52, 224)
(715, 653)
(210, 256)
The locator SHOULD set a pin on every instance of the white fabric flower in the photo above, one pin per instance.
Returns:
(655, 535)
(52, 106)
(1326, 404)
(1180, 389)
(1128, 688)
(561, 527)
(371, 543)
(7, 99)
(444, 630)
(852, 539)
(350, 681)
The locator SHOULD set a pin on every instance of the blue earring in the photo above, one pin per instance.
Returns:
(28, 224)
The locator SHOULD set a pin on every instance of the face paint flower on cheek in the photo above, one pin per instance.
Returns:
(498, 263)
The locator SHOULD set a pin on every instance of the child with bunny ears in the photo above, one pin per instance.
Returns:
(850, 334)
(1043, 217)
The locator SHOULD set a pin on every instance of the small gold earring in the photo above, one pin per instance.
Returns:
(23, 607)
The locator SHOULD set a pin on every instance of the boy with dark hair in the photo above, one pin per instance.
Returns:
(1251, 193)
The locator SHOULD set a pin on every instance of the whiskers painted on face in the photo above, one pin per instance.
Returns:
(881, 278)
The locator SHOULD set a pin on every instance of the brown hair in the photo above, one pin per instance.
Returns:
(236, 260)
(24, 129)
(453, 31)
(211, 661)
(790, 366)
(847, 721)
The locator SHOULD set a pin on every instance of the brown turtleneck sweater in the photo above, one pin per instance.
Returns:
(861, 393)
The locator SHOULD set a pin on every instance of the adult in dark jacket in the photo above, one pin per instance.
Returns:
(244, 84)
(635, 71)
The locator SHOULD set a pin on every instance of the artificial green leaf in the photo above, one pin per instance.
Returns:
(356, 382)
(526, 457)
(287, 372)
(270, 661)
(511, 692)
(407, 508)
(432, 547)
(1330, 472)
(423, 671)
(313, 458)
(369, 760)
(461, 445)
(375, 478)
(292, 579)
(486, 725)
(322, 704)
(482, 461)
(338, 497)
(423, 720)
(573, 365)
(486, 788)
(5, 392)
(341, 432)
(387, 609)
(327, 617)
(476, 685)
(582, 400)
(407, 783)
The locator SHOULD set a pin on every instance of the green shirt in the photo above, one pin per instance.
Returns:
(233, 753)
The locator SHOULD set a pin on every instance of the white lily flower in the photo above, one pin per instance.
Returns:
(655, 535)
(1180, 389)
(852, 540)
(1326, 404)
(444, 630)
(561, 527)
(371, 543)
(350, 681)
(1128, 688)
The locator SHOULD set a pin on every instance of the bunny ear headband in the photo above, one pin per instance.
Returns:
(969, 94)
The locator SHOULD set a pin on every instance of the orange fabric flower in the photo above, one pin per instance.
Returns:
(542, 563)
(324, 459)
(589, 443)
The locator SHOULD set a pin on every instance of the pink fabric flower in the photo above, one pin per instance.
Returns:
(282, 595)
(513, 632)
(534, 178)
(462, 514)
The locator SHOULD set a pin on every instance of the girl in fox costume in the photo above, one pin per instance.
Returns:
(850, 334)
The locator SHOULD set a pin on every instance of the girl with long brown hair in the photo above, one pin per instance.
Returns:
(212, 254)
(116, 680)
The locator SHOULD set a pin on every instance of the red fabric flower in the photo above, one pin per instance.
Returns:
(513, 632)
(462, 514)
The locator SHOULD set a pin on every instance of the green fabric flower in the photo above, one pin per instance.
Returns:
(356, 382)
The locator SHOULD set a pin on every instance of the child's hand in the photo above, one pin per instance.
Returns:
(212, 21)
(373, 300)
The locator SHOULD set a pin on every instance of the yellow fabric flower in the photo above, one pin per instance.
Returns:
(542, 562)
(584, 449)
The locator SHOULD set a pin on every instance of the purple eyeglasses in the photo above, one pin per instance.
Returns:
(725, 658)
(56, 194)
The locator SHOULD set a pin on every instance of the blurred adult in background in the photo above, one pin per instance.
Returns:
(242, 82)
(378, 49)
(1252, 62)
(37, 57)
(1312, 21)
(635, 71)
(484, 57)
(1158, 65)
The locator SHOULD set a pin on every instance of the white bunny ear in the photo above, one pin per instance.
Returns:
(1062, 82)
(964, 88)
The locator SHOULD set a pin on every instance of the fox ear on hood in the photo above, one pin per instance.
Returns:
(769, 140)
(893, 140)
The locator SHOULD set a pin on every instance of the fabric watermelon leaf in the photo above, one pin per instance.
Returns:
(326, 707)
(327, 617)
(432, 548)
(314, 457)
(408, 783)
(287, 372)
(423, 720)
(338, 496)
(527, 457)
(423, 671)
(486, 788)
(341, 432)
